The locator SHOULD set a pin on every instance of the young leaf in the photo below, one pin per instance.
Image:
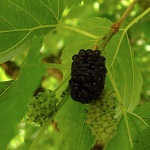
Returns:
(142, 142)
(20, 20)
(71, 121)
(14, 101)
(136, 125)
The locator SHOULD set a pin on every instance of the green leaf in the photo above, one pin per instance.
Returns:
(118, 53)
(93, 28)
(120, 60)
(125, 72)
(14, 101)
(5, 85)
(71, 121)
(78, 40)
(20, 20)
(143, 140)
(136, 126)
(144, 112)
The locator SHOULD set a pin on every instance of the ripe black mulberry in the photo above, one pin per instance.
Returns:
(88, 74)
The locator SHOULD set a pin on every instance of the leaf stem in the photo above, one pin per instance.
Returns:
(79, 31)
(136, 19)
(41, 132)
(127, 11)
(125, 31)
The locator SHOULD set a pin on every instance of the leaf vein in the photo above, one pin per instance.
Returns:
(117, 50)
(50, 9)
(29, 29)
(143, 110)
(58, 4)
(80, 135)
(133, 76)
(8, 22)
(63, 118)
(16, 43)
(25, 12)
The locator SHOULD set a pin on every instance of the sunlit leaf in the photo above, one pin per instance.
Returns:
(20, 20)
(14, 101)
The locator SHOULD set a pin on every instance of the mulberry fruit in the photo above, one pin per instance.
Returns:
(41, 107)
(88, 74)
(100, 116)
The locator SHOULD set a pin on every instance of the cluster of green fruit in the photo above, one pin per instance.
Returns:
(100, 116)
(41, 107)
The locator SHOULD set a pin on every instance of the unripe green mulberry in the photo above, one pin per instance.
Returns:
(41, 107)
(88, 74)
(100, 116)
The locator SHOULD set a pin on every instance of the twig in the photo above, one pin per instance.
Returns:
(116, 26)
(125, 14)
